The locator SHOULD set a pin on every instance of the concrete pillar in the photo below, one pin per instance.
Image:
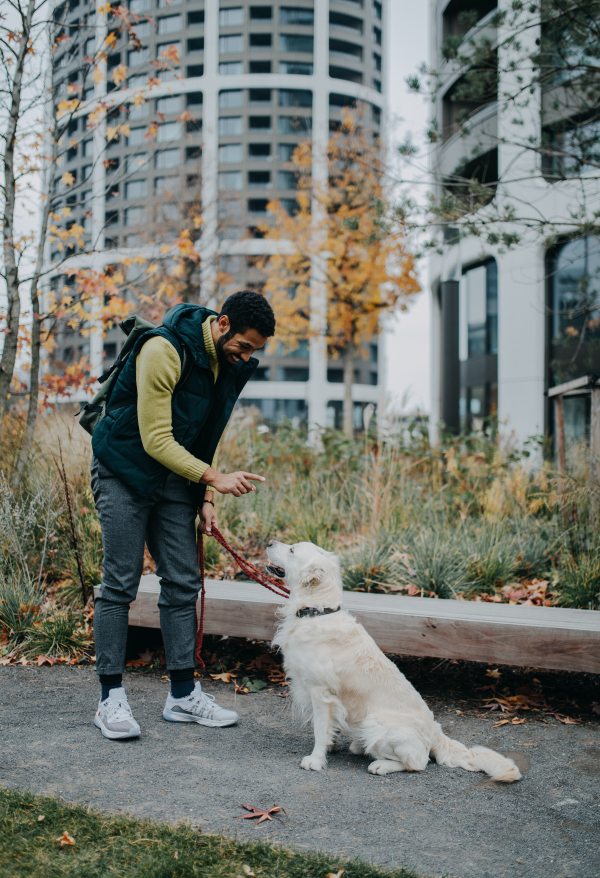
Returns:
(449, 358)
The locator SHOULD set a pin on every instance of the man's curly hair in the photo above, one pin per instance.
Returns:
(248, 310)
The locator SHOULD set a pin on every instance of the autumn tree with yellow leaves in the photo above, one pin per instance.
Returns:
(341, 231)
(40, 112)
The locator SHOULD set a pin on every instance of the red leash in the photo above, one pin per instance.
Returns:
(274, 585)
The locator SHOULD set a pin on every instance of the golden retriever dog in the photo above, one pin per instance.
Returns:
(340, 677)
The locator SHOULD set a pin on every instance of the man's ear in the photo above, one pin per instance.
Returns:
(312, 575)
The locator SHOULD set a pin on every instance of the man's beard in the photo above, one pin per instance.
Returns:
(221, 355)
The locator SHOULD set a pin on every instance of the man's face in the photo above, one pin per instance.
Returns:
(241, 346)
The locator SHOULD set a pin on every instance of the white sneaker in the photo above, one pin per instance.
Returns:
(198, 707)
(114, 717)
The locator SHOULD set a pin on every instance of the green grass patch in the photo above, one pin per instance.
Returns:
(107, 845)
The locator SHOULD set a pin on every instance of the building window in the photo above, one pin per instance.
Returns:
(193, 126)
(479, 311)
(290, 205)
(136, 189)
(140, 112)
(286, 180)
(164, 4)
(231, 98)
(260, 41)
(169, 104)
(135, 162)
(295, 43)
(345, 73)
(195, 18)
(257, 205)
(167, 158)
(167, 186)
(376, 60)
(195, 44)
(134, 216)
(259, 123)
(261, 13)
(193, 153)
(260, 66)
(231, 68)
(169, 24)
(230, 181)
(231, 43)
(167, 50)
(230, 125)
(194, 99)
(377, 35)
(340, 19)
(259, 151)
(292, 373)
(261, 373)
(296, 15)
(294, 124)
(342, 47)
(289, 97)
(575, 310)
(260, 95)
(233, 17)
(377, 9)
(296, 68)
(168, 131)
(195, 70)
(286, 150)
(259, 179)
(230, 153)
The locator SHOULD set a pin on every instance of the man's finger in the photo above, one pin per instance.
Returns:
(254, 476)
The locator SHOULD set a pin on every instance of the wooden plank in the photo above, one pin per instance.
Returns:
(543, 637)
(570, 386)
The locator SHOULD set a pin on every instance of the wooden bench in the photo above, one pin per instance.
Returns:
(541, 637)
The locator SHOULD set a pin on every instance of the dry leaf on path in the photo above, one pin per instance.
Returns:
(66, 839)
(176, 855)
(226, 677)
(335, 874)
(257, 812)
(45, 659)
(41, 817)
(248, 870)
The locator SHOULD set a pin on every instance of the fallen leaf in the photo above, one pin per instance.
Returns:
(335, 874)
(41, 817)
(66, 839)
(176, 855)
(503, 722)
(248, 871)
(146, 656)
(257, 812)
(495, 673)
(226, 677)
(45, 659)
(596, 708)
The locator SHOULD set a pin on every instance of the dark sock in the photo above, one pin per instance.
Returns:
(108, 682)
(182, 682)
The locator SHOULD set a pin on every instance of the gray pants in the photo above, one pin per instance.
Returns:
(165, 521)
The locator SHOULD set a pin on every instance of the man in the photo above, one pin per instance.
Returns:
(151, 472)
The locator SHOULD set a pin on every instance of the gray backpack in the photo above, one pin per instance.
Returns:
(133, 327)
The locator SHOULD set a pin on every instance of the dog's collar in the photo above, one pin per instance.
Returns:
(315, 611)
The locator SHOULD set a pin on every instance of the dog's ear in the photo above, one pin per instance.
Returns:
(312, 574)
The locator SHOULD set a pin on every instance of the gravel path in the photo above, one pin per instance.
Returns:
(441, 822)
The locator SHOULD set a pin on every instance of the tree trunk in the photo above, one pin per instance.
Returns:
(348, 381)
(11, 266)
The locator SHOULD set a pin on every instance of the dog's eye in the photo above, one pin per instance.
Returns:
(292, 549)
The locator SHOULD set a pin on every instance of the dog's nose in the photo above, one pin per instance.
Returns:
(271, 543)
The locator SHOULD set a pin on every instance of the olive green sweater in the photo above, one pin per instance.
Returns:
(158, 369)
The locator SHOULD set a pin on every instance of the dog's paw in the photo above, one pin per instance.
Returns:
(384, 766)
(356, 748)
(312, 763)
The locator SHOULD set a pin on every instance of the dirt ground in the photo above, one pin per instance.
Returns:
(442, 822)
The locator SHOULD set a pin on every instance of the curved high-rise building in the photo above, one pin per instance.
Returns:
(250, 80)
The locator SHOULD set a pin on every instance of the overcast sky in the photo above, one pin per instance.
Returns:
(408, 345)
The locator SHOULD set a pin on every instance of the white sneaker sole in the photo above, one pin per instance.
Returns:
(114, 736)
(188, 718)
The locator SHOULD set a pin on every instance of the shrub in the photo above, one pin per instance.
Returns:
(580, 583)
(58, 634)
(432, 564)
(367, 568)
(19, 607)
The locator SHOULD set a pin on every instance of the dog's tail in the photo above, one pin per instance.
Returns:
(456, 755)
